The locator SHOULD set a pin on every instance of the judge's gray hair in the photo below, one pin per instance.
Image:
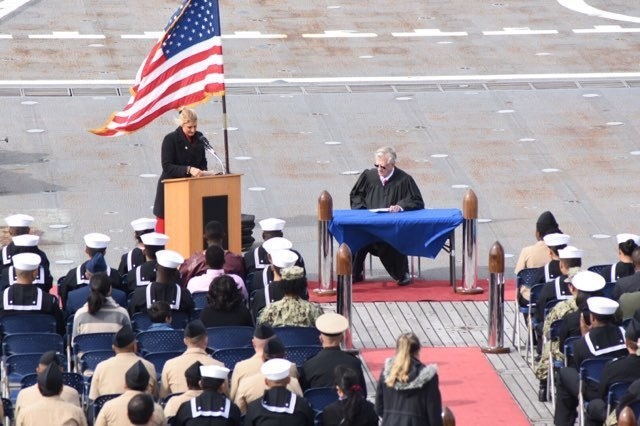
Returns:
(388, 153)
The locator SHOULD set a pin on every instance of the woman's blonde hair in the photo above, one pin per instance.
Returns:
(407, 346)
(186, 115)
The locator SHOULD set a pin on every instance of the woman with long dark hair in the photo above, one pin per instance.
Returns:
(351, 409)
(408, 392)
(226, 305)
(101, 314)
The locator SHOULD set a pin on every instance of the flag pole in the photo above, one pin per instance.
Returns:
(226, 133)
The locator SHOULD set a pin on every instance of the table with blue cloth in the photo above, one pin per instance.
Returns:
(413, 233)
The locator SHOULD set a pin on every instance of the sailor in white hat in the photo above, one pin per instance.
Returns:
(554, 243)
(627, 243)
(145, 273)
(19, 224)
(266, 276)
(26, 243)
(24, 297)
(95, 242)
(134, 257)
(603, 339)
(272, 292)
(165, 288)
(278, 404)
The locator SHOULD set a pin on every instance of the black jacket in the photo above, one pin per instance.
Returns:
(272, 410)
(414, 403)
(317, 371)
(333, 414)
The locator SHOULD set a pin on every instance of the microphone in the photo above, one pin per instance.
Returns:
(208, 147)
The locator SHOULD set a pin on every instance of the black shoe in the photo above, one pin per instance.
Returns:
(542, 391)
(357, 278)
(405, 280)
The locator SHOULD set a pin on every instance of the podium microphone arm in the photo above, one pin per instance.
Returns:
(212, 151)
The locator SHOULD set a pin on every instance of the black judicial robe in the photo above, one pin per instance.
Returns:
(130, 260)
(368, 192)
(179, 299)
(142, 275)
(76, 278)
(20, 299)
(209, 409)
(279, 407)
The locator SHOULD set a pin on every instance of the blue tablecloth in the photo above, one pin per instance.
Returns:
(415, 233)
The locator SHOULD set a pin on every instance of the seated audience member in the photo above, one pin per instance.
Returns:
(267, 276)
(115, 411)
(291, 310)
(211, 407)
(135, 257)
(351, 408)
(24, 297)
(630, 283)
(17, 224)
(145, 274)
(165, 287)
(101, 314)
(627, 243)
(215, 261)
(214, 235)
(252, 387)
(551, 270)
(27, 243)
(51, 409)
(317, 371)
(30, 395)
(277, 404)
(192, 375)
(76, 277)
(107, 377)
(160, 316)
(140, 410)
(257, 259)
(196, 340)
(537, 255)
(226, 305)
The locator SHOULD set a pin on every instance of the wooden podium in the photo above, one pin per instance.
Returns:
(189, 203)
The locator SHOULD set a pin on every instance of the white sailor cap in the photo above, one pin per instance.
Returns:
(214, 371)
(276, 243)
(588, 281)
(602, 305)
(96, 240)
(272, 224)
(144, 223)
(623, 238)
(332, 323)
(283, 258)
(26, 261)
(554, 240)
(169, 259)
(570, 252)
(154, 239)
(26, 240)
(276, 369)
(16, 220)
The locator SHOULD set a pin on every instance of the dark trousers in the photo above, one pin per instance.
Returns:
(596, 413)
(566, 397)
(396, 263)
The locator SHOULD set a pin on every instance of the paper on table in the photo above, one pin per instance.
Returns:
(383, 210)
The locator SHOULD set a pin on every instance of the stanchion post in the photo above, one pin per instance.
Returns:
(325, 246)
(627, 417)
(469, 244)
(343, 268)
(495, 337)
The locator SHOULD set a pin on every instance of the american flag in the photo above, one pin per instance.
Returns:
(183, 68)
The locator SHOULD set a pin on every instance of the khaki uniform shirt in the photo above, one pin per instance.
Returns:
(175, 402)
(533, 256)
(109, 375)
(114, 412)
(51, 410)
(173, 380)
(253, 387)
(249, 367)
(29, 396)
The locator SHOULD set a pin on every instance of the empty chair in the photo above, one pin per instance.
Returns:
(231, 356)
(32, 343)
(161, 341)
(598, 268)
(299, 354)
(90, 359)
(28, 323)
(159, 358)
(298, 336)
(319, 398)
(229, 337)
(91, 342)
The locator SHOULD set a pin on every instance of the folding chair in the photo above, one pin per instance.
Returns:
(8, 411)
(28, 323)
(32, 343)
(298, 336)
(200, 299)
(73, 380)
(614, 394)
(554, 329)
(91, 342)
(99, 403)
(229, 337)
(89, 360)
(526, 277)
(141, 322)
(590, 371)
(161, 341)
(231, 356)
(159, 358)
(16, 367)
(532, 323)
(598, 269)
(299, 354)
(78, 297)
(319, 398)
(568, 349)
(607, 290)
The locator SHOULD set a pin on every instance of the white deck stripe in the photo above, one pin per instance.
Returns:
(519, 31)
(606, 29)
(67, 35)
(340, 34)
(430, 32)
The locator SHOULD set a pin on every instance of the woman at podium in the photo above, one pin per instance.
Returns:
(182, 155)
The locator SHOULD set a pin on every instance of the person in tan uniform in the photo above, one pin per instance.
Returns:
(115, 413)
(196, 340)
(252, 387)
(193, 376)
(107, 378)
(29, 396)
(537, 255)
(51, 409)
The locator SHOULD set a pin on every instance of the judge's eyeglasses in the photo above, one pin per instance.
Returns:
(380, 166)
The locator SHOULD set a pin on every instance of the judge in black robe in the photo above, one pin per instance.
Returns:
(385, 186)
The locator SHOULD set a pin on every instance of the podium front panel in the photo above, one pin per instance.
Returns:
(216, 208)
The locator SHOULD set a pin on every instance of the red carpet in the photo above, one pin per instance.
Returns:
(469, 385)
(417, 291)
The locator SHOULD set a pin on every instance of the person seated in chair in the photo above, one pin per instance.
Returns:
(551, 270)
(537, 255)
(193, 377)
(215, 263)
(267, 276)
(26, 243)
(385, 186)
(145, 273)
(160, 316)
(627, 243)
(135, 257)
